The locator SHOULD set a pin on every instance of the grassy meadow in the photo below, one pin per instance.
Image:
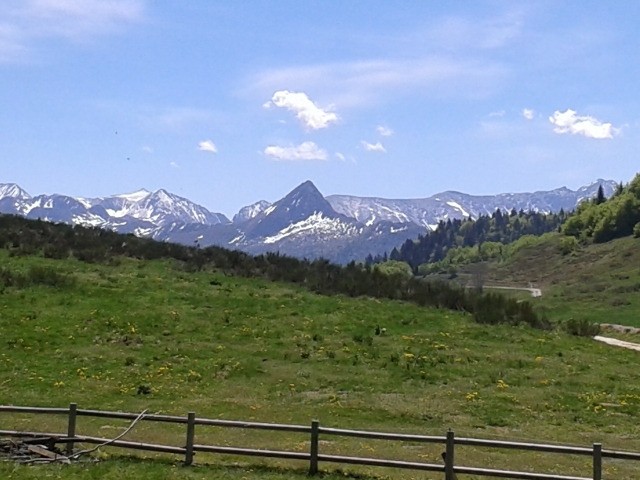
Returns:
(136, 335)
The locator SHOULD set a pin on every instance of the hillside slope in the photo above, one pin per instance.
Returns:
(596, 282)
(139, 334)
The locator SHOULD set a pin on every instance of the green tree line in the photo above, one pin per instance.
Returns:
(487, 234)
(600, 220)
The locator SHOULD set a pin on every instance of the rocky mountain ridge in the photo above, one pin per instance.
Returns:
(304, 223)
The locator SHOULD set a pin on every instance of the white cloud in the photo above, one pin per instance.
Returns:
(341, 157)
(528, 113)
(499, 113)
(373, 147)
(147, 149)
(174, 164)
(207, 146)
(73, 18)
(384, 131)
(570, 122)
(312, 116)
(304, 151)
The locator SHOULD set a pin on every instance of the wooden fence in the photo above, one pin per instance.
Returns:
(313, 431)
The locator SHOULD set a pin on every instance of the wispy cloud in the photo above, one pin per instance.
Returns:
(24, 24)
(384, 131)
(460, 32)
(207, 146)
(373, 147)
(528, 113)
(311, 116)
(570, 122)
(362, 83)
(306, 151)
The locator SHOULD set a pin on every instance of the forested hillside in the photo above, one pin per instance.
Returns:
(467, 241)
(499, 228)
(601, 220)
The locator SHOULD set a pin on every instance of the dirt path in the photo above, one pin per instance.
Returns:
(535, 292)
(618, 343)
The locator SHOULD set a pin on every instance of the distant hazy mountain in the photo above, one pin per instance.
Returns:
(304, 223)
(140, 212)
(250, 211)
(427, 212)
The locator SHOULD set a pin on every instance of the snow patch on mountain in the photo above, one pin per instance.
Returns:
(88, 220)
(237, 239)
(250, 211)
(134, 196)
(457, 206)
(316, 224)
(14, 191)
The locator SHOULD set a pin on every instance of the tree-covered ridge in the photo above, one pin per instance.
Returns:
(499, 228)
(28, 237)
(601, 220)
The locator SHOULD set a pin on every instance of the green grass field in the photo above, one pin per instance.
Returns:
(245, 349)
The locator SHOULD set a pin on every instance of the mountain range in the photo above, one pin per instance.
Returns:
(303, 224)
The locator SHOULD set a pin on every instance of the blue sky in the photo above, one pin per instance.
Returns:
(228, 103)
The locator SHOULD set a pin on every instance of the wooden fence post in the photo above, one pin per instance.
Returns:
(597, 461)
(191, 431)
(313, 449)
(71, 426)
(449, 474)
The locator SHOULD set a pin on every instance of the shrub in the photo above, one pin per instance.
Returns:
(48, 276)
(581, 328)
(568, 245)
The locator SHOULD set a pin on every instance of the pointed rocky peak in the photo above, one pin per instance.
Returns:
(164, 196)
(305, 188)
(304, 200)
(13, 190)
(302, 203)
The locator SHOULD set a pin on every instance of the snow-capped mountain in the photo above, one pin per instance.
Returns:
(304, 223)
(12, 190)
(250, 211)
(427, 212)
(140, 212)
(159, 208)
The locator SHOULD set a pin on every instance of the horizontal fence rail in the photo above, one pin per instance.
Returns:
(449, 469)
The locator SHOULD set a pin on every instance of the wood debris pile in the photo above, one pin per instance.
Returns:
(32, 450)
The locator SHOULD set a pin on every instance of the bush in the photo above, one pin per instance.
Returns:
(581, 328)
(9, 278)
(48, 276)
(568, 245)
